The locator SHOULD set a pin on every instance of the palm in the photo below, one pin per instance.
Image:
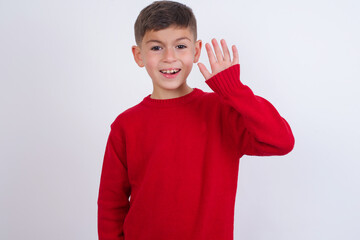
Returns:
(219, 61)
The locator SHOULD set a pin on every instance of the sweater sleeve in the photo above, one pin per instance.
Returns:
(258, 127)
(114, 190)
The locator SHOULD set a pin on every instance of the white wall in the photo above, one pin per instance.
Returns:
(66, 72)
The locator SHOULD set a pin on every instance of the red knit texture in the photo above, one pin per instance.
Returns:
(179, 158)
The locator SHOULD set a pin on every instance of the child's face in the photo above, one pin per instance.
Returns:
(168, 56)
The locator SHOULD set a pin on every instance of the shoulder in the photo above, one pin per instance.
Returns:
(127, 116)
(214, 100)
(210, 98)
(219, 107)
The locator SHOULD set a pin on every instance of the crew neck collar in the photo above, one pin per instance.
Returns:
(172, 102)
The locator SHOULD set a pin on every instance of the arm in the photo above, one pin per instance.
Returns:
(259, 128)
(114, 191)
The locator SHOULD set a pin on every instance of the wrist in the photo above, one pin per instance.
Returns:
(226, 81)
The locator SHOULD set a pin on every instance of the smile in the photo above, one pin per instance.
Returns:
(170, 71)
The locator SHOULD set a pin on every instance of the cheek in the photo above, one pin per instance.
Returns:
(150, 61)
(188, 58)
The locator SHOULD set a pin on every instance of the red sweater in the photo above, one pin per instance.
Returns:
(179, 160)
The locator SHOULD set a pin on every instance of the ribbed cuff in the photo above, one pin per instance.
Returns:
(226, 81)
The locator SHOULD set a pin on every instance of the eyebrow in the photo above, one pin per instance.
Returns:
(158, 41)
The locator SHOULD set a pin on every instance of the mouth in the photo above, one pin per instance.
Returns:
(170, 71)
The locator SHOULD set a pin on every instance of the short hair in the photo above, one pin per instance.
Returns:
(163, 14)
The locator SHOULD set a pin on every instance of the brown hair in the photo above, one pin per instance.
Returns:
(162, 14)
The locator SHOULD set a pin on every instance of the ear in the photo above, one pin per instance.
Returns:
(198, 45)
(137, 55)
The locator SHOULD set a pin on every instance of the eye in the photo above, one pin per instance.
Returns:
(181, 46)
(155, 48)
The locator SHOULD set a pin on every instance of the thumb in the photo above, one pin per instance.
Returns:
(204, 71)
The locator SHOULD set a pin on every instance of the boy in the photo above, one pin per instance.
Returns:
(176, 153)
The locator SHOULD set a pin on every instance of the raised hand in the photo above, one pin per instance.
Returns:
(219, 61)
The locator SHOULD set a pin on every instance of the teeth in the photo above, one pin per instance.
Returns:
(169, 71)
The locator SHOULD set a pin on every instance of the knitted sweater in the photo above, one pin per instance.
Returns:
(179, 160)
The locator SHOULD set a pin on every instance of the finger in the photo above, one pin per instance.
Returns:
(211, 56)
(235, 55)
(219, 55)
(204, 71)
(225, 50)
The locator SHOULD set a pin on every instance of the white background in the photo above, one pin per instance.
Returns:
(67, 71)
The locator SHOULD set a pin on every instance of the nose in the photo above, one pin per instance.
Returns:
(169, 55)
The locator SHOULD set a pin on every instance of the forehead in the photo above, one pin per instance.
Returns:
(169, 34)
